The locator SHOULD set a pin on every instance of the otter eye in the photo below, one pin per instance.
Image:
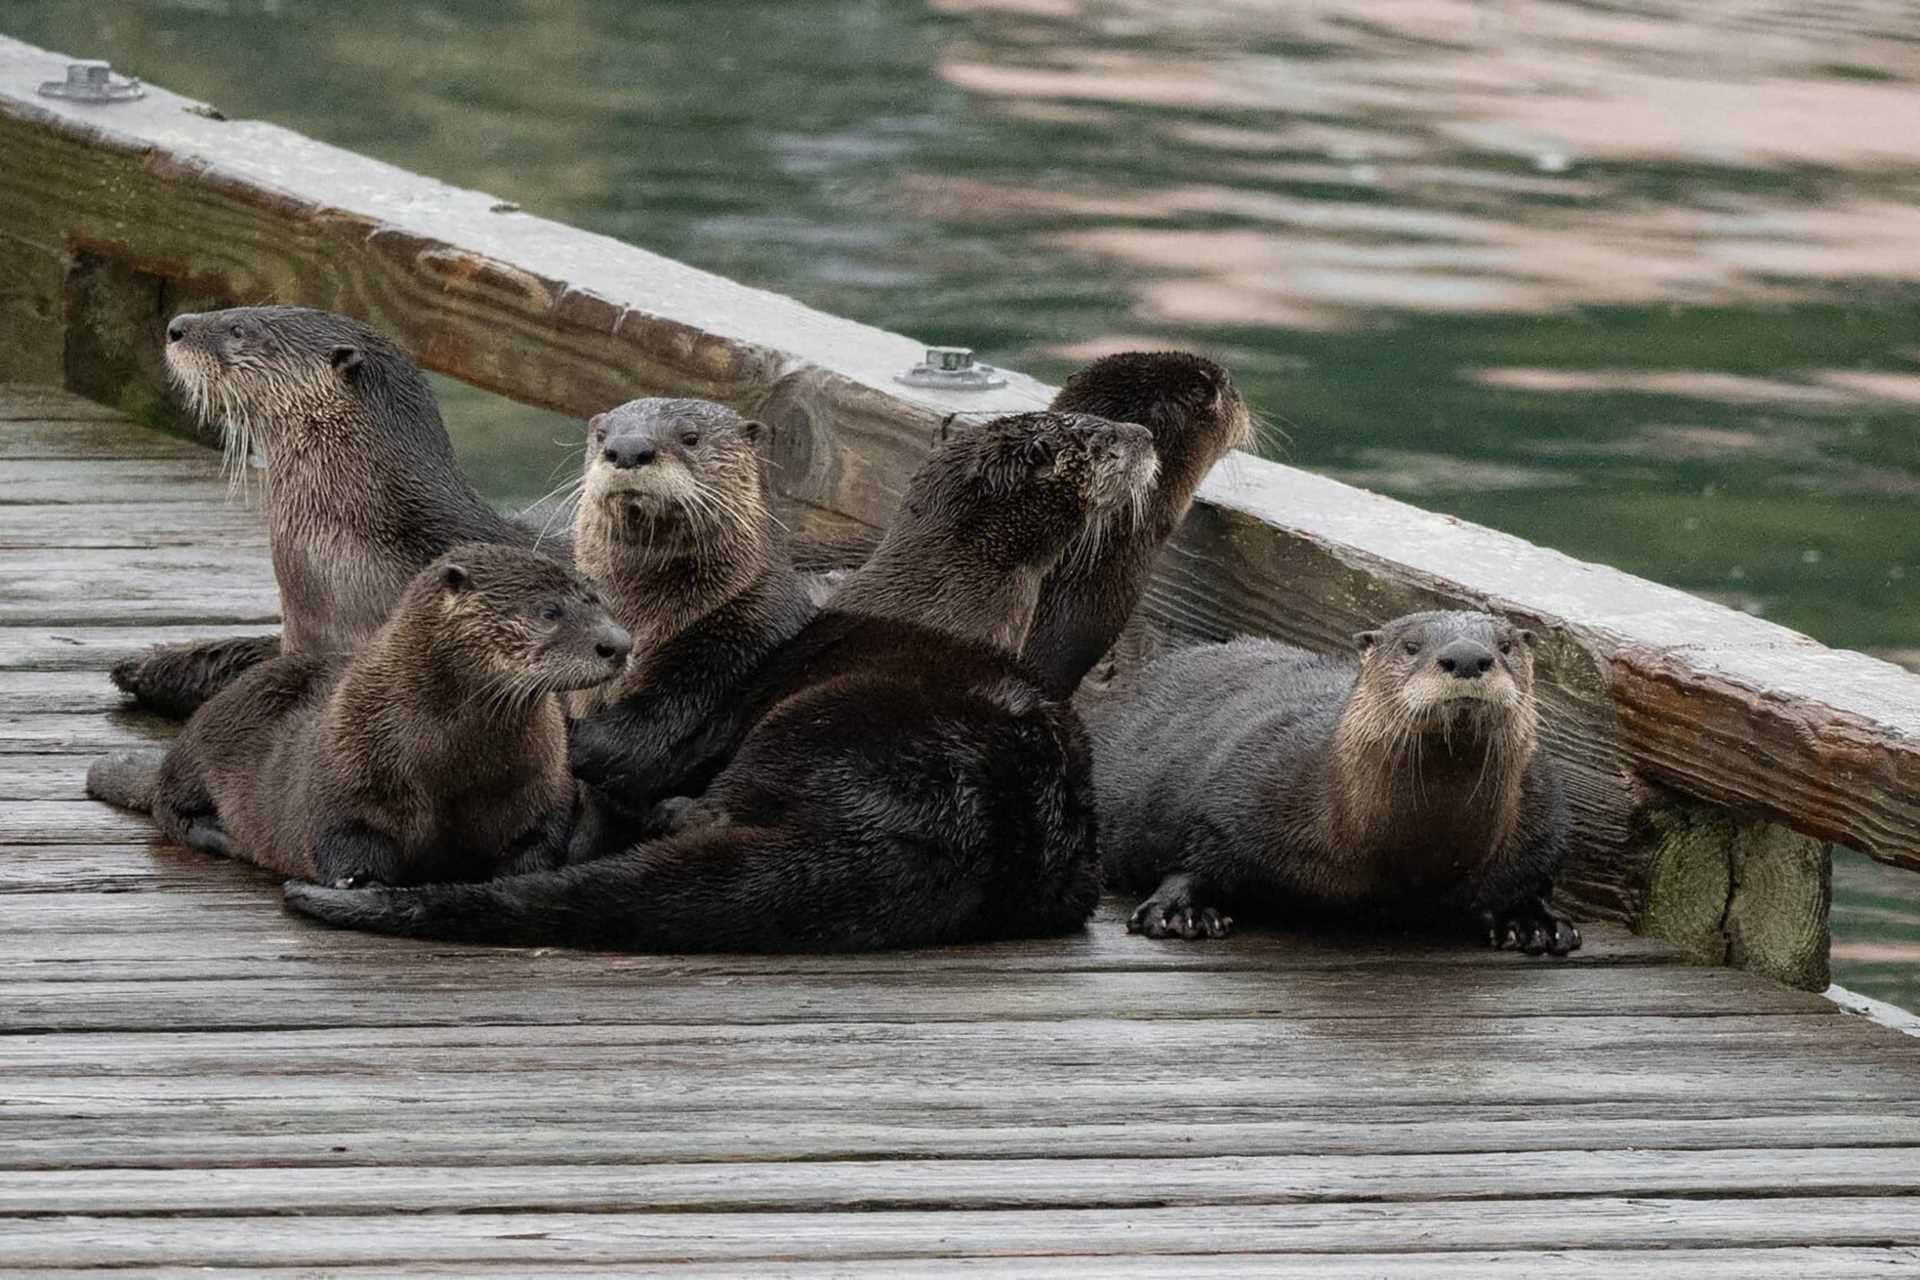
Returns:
(1411, 647)
(235, 331)
(689, 438)
(551, 613)
(1506, 646)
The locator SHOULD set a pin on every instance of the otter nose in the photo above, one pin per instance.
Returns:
(614, 643)
(1465, 659)
(627, 454)
(176, 328)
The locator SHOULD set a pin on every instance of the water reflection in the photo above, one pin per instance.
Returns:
(1635, 280)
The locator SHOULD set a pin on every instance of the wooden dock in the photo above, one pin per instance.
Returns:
(191, 1078)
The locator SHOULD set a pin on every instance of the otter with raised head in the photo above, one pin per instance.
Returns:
(436, 752)
(673, 524)
(1253, 778)
(1196, 416)
(886, 782)
(360, 489)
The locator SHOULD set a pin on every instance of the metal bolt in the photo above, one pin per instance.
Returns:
(92, 81)
(952, 369)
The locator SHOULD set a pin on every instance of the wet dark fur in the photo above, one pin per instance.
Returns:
(360, 490)
(436, 752)
(1257, 779)
(884, 783)
(696, 567)
(1196, 416)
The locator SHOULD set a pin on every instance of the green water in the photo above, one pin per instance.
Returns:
(1640, 281)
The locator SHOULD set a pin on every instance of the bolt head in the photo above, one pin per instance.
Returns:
(950, 359)
(89, 74)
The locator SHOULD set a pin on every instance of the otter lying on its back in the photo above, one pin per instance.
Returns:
(1256, 778)
(885, 783)
(437, 752)
(360, 490)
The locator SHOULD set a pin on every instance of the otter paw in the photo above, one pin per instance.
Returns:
(1535, 928)
(1173, 913)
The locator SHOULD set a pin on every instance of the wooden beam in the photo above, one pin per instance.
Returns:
(1641, 679)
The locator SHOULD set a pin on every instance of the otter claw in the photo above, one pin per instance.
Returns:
(1534, 929)
(1158, 919)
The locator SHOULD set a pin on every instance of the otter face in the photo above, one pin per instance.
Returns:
(1019, 488)
(1168, 392)
(1441, 671)
(261, 373)
(657, 467)
(539, 626)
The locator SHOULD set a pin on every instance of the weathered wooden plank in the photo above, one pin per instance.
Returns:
(43, 778)
(1283, 1073)
(1601, 1222)
(59, 692)
(27, 647)
(1197, 1180)
(589, 996)
(212, 580)
(107, 482)
(1019, 1130)
(1236, 1047)
(134, 525)
(1645, 678)
(68, 822)
(91, 439)
(85, 734)
(1823, 1263)
(26, 409)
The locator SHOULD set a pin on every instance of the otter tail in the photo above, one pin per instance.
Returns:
(174, 679)
(127, 778)
(737, 889)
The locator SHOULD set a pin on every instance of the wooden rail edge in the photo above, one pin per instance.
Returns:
(1645, 684)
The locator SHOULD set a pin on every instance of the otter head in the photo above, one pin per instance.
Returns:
(1013, 492)
(666, 477)
(1458, 675)
(512, 623)
(1187, 401)
(280, 378)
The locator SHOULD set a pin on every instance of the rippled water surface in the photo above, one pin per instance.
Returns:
(1637, 280)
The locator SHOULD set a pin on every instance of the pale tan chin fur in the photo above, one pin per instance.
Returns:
(243, 403)
(1435, 703)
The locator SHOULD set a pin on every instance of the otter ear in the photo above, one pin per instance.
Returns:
(1528, 638)
(752, 430)
(346, 358)
(1365, 640)
(454, 578)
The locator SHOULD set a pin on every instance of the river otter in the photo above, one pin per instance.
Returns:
(673, 524)
(1196, 415)
(360, 488)
(1253, 777)
(888, 783)
(438, 751)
